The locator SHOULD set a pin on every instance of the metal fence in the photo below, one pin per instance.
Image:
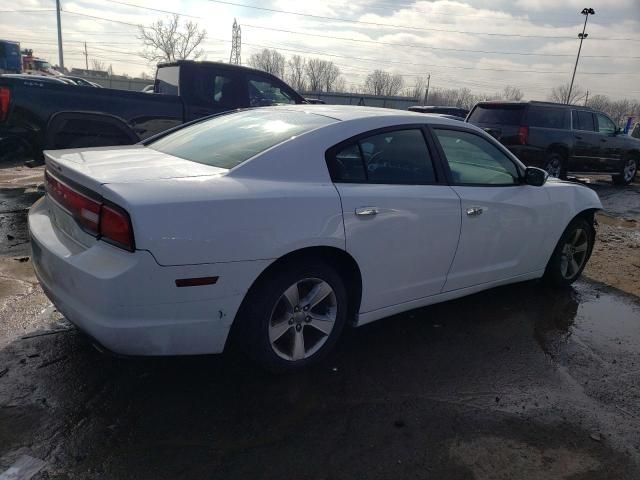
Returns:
(135, 84)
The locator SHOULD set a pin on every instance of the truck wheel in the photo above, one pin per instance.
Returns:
(571, 253)
(293, 316)
(556, 166)
(627, 174)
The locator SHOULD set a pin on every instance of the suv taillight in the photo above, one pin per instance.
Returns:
(523, 134)
(107, 222)
(5, 96)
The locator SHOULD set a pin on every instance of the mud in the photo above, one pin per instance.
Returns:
(517, 382)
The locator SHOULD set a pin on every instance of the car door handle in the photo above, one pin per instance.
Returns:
(578, 137)
(366, 211)
(603, 139)
(474, 211)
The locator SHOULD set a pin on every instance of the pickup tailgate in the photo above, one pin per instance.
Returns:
(92, 168)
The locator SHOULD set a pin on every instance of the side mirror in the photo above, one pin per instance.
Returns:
(535, 176)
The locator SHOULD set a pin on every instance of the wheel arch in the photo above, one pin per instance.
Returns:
(559, 148)
(343, 261)
(60, 121)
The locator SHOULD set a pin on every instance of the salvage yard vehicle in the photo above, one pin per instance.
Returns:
(36, 115)
(284, 224)
(561, 138)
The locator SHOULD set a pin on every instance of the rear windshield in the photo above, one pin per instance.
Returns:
(229, 140)
(498, 114)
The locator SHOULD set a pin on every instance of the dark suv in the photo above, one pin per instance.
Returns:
(560, 138)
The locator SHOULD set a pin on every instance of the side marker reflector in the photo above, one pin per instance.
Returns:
(195, 282)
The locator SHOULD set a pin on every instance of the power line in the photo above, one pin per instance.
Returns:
(427, 47)
(150, 8)
(406, 27)
(456, 67)
(102, 18)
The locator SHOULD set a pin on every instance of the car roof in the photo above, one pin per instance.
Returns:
(353, 112)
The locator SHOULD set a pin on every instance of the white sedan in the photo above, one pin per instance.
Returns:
(283, 224)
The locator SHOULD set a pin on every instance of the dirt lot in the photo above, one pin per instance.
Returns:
(517, 382)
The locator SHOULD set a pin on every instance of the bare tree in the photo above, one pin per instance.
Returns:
(296, 76)
(418, 90)
(168, 41)
(559, 94)
(321, 75)
(98, 65)
(383, 83)
(270, 61)
(510, 93)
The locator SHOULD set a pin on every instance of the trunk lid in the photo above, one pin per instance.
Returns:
(92, 168)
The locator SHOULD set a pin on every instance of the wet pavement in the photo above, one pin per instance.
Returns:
(517, 382)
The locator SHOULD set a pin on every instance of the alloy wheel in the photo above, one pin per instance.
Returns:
(303, 319)
(553, 168)
(630, 169)
(574, 253)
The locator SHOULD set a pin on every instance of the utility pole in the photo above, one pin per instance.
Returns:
(236, 43)
(60, 54)
(586, 12)
(586, 99)
(426, 93)
(86, 57)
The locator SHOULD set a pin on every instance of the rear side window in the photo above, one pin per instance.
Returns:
(395, 157)
(544, 117)
(497, 114)
(228, 140)
(218, 88)
(167, 80)
(583, 120)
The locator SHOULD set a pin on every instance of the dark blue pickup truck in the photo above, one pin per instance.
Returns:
(36, 116)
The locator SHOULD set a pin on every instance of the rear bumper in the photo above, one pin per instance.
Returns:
(130, 304)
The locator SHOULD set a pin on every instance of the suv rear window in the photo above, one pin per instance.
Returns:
(498, 114)
(548, 117)
(228, 140)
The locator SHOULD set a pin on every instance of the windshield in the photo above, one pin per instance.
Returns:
(498, 114)
(228, 140)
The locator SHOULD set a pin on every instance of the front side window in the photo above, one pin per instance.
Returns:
(475, 161)
(264, 92)
(228, 140)
(583, 120)
(396, 157)
(605, 125)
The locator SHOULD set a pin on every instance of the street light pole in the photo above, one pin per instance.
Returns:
(60, 54)
(586, 12)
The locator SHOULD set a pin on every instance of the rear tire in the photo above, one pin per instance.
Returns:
(627, 173)
(571, 253)
(556, 166)
(293, 316)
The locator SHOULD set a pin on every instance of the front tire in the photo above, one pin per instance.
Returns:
(556, 166)
(293, 316)
(627, 172)
(571, 253)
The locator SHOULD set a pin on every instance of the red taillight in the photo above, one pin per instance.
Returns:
(84, 209)
(115, 227)
(108, 222)
(523, 134)
(5, 96)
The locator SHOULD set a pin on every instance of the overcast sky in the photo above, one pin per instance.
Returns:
(484, 45)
